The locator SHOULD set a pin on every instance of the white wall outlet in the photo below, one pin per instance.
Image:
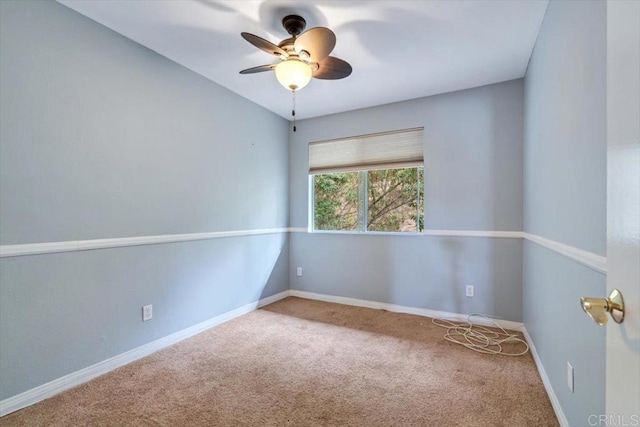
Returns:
(470, 291)
(147, 312)
(570, 376)
(299, 271)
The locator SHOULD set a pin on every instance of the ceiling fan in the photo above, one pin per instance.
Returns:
(302, 56)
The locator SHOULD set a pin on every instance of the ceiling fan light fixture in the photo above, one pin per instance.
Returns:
(304, 55)
(293, 74)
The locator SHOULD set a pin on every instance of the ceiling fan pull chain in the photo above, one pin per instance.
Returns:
(293, 112)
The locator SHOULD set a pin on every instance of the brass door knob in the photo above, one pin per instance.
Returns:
(597, 308)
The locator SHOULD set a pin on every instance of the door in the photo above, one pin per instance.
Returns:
(623, 210)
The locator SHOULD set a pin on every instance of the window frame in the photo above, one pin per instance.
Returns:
(365, 211)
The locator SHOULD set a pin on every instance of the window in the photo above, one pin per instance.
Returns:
(369, 183)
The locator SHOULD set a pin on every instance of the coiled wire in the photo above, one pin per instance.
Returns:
(480, 338)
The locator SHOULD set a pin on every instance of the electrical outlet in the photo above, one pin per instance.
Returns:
(470, 291)
(570, 376)
(299, 271)
(147, 312)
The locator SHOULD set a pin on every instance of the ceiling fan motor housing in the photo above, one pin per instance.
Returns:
(287, 46)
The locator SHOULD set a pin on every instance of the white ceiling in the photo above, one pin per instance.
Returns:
(399, 50)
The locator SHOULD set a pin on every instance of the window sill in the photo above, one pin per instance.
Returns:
(369, 233)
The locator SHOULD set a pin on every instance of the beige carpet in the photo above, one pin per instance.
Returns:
(302, 363)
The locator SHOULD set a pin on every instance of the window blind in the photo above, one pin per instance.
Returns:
(386, 150)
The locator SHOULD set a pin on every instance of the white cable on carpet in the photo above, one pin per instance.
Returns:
(479, 338)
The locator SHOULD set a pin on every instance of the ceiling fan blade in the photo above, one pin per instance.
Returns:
(318, 42)
(332, 68)
(259, 69)
(263, 44)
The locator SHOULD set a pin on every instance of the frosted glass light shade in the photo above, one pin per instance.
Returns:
(293, 74)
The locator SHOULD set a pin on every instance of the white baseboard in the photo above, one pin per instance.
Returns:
(562, 419)
(73, 379)
(507, 324)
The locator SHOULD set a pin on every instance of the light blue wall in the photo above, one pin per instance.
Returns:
(562, 332)
(472, 152)
(103, 138)
(565, 198)
(424, 272)
(62, 312)
(565, 108)
(473, 181)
